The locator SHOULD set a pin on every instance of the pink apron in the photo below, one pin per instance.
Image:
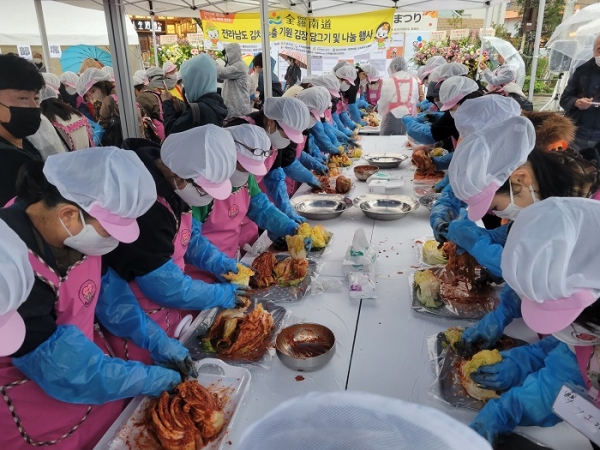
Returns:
(223, 225)
(373, 95)
(293, 185)
(328, 116)
(408, 103)
(588, 362)
(31, 418)
(165, 317)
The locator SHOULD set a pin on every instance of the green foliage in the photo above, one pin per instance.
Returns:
(552, 15)
(541, 86)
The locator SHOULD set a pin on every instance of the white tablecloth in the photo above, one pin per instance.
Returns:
(381, 344)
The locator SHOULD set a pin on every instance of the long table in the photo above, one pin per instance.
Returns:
(381, 344)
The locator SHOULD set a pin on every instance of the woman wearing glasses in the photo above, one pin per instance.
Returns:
(192, 168)
(222, 219)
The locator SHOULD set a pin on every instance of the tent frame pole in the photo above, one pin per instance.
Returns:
(117, 37)
(154, 40)
(486, 24)
(39, 12)
(266, 49)
(536, 48)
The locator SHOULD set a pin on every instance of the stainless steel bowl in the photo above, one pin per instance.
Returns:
(320, 206)
(386, 207)
(364, 172)
(386, 162)
(428, 200)
(305, 347)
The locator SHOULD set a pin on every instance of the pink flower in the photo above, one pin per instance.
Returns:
(194, 51)
(453, 45)
(433, 51)
(467, 57)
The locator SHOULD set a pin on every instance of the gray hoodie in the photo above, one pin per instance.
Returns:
(235, 82)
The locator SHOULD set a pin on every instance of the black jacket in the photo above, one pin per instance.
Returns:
(578, 87)
(212, 110)
(292, 75)
(12, 160)
(444, 129)
(158, 226)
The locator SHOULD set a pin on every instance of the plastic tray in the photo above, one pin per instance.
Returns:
(192, 338)
(129, 431)
(448, 361)
(453, 309)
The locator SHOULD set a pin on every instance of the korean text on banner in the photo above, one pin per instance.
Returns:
(335, 36)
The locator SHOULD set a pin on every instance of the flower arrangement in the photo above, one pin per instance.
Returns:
(465, 51)
(177, 53)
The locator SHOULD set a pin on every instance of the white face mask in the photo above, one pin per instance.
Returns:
(597, 58)
(88, 241)
(577, 335)
(239, 178)
(313, 121)
(192, 197)
(452, 113)
(364, 82)
(277, 140)
(512, 210)
(344, 86)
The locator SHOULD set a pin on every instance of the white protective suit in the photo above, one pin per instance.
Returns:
(235, 82)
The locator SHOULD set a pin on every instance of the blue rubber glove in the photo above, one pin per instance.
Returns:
(444, 210)
(204, 255)
(516, 365)
(264, 214)
(312, 164)
(420, 132)
(297, 172)
(169, 286)
(274, 181)
(361, 103)
(335, 134)
(440, 185)
(442, 162)
(490, 328)
(531, 403)
(340, 125)
(71, 368)
(120, 313)
(355, 115)
(347, 121)
(323, 141)
(486, 246)
(424, 105)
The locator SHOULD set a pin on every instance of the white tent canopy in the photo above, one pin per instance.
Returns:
(191, 8)
(65, 24)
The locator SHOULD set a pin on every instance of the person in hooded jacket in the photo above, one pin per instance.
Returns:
(200, 80)
(191, 169)
(235, 82)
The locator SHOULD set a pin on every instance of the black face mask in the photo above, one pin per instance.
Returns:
(23, 121)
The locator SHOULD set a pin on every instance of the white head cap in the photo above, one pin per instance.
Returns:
(169, 67)
(330, 82)
(431, 64)
(88, 78)
(317, 100)
(204, 154)
(486, 159)
(478, 113)
(137, 81)
(247, 139)
(372, 72)
(454, 90)
(51, 80)
(110, 184)
(446, 71)
(290, 113)
(293, 91)
(16, 281)
(69, 79)
(142, 74)
(347, 73)
(110, 72)
(47, 92)
(307, 79)
(358, 421)
(551, 261)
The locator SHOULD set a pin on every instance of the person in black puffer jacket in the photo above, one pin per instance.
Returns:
(200, 80)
